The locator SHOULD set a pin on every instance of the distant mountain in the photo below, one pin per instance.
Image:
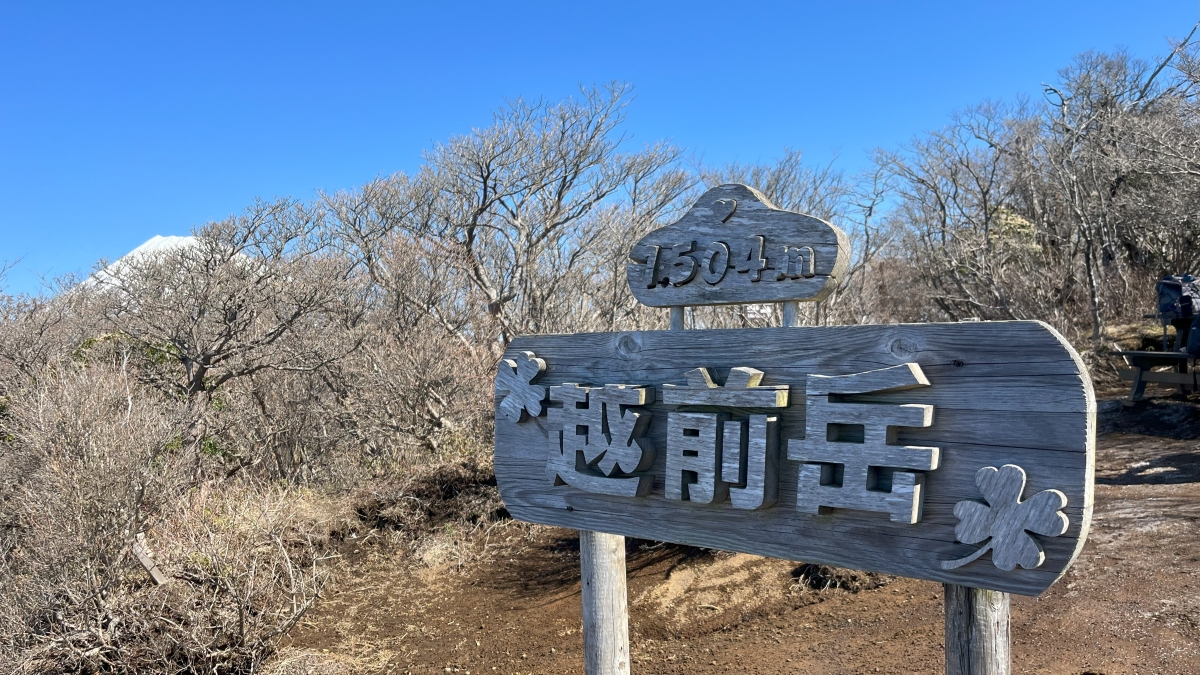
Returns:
(160, 243)
(153, 246)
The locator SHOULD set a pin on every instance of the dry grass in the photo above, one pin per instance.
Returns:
(91, 461)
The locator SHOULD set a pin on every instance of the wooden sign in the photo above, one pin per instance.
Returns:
(959, 453)
(733, 246)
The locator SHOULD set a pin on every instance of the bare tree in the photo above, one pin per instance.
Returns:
(229, 305)
(262, 291)
(1093, 155)
(516, 204)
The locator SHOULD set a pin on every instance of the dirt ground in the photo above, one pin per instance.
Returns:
(1130, 604)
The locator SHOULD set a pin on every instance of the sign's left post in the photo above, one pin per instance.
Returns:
(605, 606)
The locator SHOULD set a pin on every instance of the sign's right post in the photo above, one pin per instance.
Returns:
(977, 631)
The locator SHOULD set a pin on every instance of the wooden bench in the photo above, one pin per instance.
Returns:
(1141, 371)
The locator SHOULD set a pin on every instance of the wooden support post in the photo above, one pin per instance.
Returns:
(977, 631)
(605, 605)
(605, 610)
(676, 318)
(791, 310)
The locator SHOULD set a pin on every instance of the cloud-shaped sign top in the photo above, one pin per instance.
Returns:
(733, 246)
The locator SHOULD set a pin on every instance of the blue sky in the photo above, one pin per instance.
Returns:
(122, 121)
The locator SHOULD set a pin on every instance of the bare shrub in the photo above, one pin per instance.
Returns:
(421, 396)
(810, 577)
(88, 464)
(36, 332)
(92, 460)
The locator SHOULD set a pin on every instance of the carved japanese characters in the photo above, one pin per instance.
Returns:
(734, 246)
(694, 457)
(514, 378)
(1007, 523)
(851, 459)
(743, 389)
(597, 439)
(855, 446)
(712, 457)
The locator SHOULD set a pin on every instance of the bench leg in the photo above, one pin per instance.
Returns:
(1139, 387)
(1182, 368)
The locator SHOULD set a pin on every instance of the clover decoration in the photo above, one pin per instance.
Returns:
(516, 376)
(1007, 520)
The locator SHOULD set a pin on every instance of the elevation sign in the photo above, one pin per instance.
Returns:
(733, 246)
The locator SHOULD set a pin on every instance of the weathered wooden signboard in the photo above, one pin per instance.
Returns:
(959, 453)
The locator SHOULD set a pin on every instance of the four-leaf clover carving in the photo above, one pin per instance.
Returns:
(1006, 521)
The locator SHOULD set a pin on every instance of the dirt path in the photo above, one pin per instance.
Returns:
(1131, 603)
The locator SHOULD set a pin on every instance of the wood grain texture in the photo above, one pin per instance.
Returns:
(693, 451)
(676, 318)
(605, 609)
(859, 471)
(723, 459)
(1002, 393)
(978, 631)
(879, 381)
(869, 456)
(754, 476)
(733, 246)
(791, 311)
(598, 437)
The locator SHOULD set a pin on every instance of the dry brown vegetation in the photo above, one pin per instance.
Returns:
(309, 374)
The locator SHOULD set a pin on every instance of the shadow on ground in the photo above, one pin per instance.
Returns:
(1172, 469)
(552, 569)
(1162, 417)
(1153, 442)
